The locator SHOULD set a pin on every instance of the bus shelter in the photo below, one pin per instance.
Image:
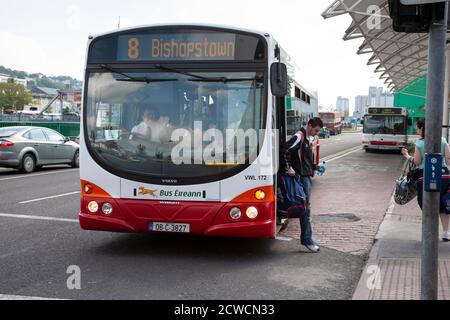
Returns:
(400, 59)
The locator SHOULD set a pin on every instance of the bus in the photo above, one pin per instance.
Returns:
(300, 107)
(181, 128)
(386, 129)
(332, 121)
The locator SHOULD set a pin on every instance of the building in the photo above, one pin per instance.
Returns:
(74, 98)
(343, 106)
(4, 78)
(377, 98)
(65, 99)
(380, 98)
(361, 104)
(42, 96)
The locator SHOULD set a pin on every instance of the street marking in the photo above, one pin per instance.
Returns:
(391, 207)
(11, 297)
(28, 217)
(38, 174)
(50, 197)
(342, 154)
(280, 238)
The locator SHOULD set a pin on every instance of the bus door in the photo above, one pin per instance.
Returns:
(281, 121)
(280, 124)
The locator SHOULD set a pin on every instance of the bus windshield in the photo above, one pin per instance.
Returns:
(131, 118)
(380, 124)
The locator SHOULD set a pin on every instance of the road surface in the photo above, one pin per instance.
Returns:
(40, 239)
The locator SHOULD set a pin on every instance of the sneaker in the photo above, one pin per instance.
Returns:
(313, 248)
(446, 236)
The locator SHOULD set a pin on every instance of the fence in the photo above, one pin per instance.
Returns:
(68, 129)
(40, 118)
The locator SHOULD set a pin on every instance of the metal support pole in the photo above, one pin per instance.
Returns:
(445, 130)
(433, 134)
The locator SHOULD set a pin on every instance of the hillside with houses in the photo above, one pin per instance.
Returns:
(51, 95)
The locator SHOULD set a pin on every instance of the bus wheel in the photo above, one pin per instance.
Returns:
(76, 160)
(28, 164)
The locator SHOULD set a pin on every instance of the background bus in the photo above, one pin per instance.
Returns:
(386, 129)
(332, 121)
(145, 85)
(301, 106)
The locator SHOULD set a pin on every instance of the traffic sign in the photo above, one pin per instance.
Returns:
(433, 172)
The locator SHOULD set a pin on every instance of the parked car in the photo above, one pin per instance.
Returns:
(28, 148)
(324, 133)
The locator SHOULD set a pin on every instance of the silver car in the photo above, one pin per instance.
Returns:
(29, 148)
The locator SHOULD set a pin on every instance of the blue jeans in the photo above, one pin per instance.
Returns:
(305, 221)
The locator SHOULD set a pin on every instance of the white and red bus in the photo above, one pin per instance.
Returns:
(146, 91)
(386, 128)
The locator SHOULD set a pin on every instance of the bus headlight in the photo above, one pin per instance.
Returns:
(260, 195)
(107, 208)
(252, 213)
(93, 207)
(235, 213)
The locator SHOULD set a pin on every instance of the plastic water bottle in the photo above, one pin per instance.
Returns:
(322, 168)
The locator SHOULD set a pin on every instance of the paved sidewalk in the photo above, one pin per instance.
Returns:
(350, 201)
(393, 269)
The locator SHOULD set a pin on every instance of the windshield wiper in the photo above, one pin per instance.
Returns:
(134, 79)
(166, 68)
(146, 80)
(225, 80)
(201, 78)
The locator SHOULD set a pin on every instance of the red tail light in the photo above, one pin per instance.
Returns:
(6, 143)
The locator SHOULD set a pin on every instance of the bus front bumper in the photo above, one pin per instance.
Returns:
(391, 147)
(204, 219)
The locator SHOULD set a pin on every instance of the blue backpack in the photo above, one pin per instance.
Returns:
(291, 197)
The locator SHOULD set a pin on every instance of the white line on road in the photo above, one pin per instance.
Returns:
(281, 238)
(28, 217)
(38, 174)
(11, 297)
(50, 197)
(342, 155)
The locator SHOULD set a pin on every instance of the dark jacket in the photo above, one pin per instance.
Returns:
(298, 154)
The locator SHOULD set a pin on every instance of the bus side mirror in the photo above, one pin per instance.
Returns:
(279, 79)
(362, 122)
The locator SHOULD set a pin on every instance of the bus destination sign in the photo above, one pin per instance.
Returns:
(176, 46)
(387, 111)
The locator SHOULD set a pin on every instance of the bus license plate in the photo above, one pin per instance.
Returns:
(170, 227)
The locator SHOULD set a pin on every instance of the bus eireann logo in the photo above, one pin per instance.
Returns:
(145, 192)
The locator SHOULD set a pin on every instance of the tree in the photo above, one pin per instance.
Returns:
(14, 94)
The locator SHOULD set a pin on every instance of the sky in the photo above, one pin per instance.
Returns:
(51, 36)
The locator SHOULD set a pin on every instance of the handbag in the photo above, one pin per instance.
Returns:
(406, 185)
(291, 197)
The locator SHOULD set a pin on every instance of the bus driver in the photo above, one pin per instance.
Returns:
(144, 129)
